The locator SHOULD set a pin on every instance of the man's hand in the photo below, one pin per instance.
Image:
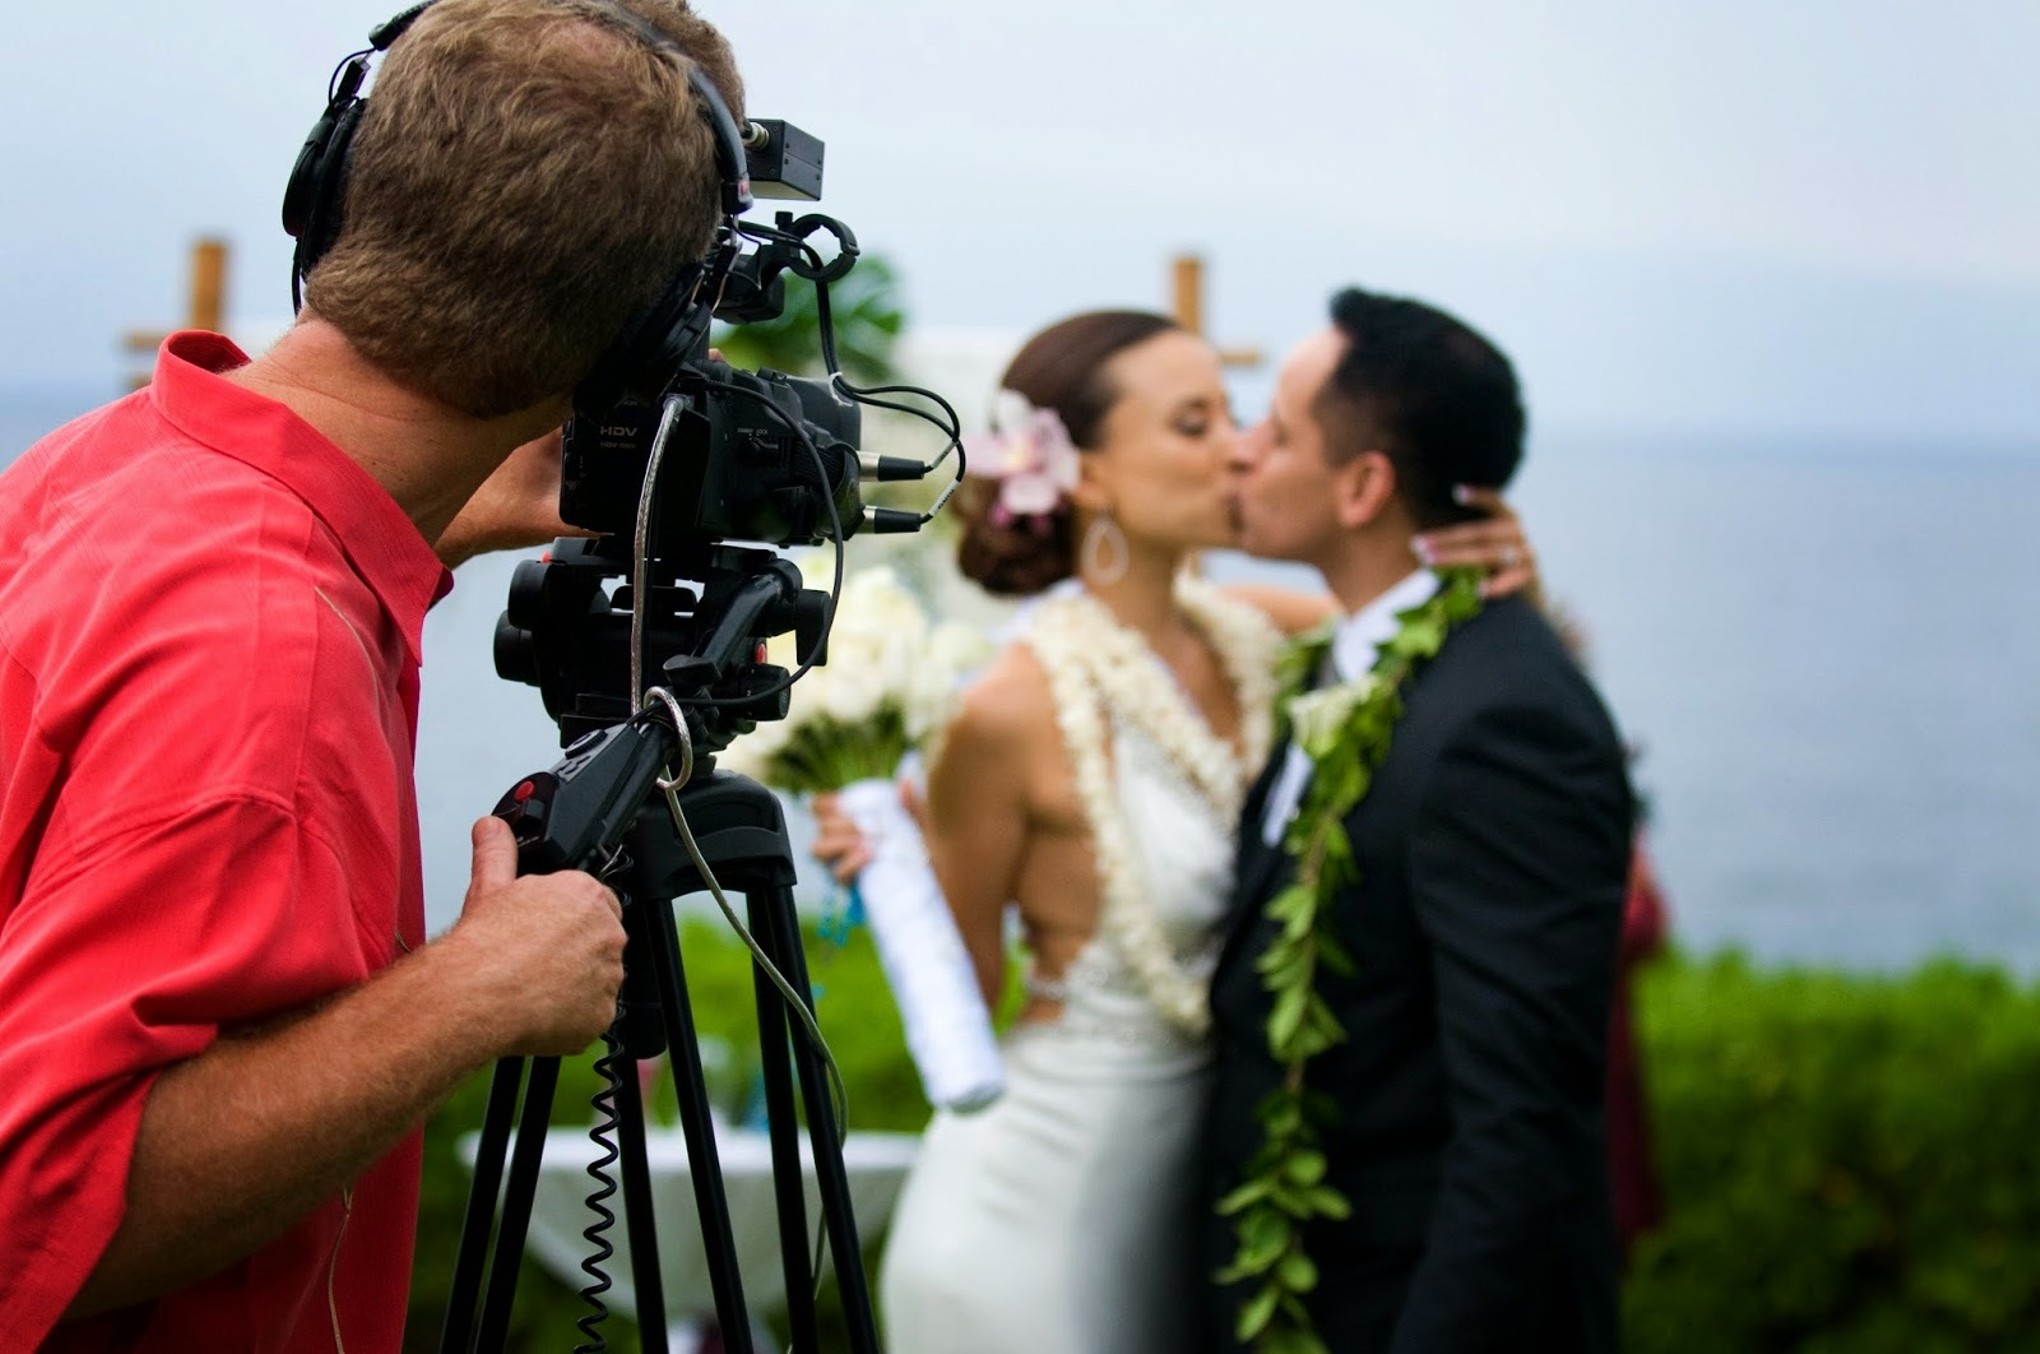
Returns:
(550, 947)
(517, 507)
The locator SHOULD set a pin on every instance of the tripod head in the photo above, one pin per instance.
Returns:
(710, 610)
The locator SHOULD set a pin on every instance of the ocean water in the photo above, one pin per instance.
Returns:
(1826, 654)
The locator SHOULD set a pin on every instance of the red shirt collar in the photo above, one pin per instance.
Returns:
(383, 543)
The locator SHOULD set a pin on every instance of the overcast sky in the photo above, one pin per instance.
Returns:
(1815, 220)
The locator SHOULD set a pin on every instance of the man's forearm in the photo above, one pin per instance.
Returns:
(240, 1142)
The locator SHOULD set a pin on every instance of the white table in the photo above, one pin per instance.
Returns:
(875, 1162)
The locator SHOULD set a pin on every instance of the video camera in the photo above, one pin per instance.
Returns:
(675, 463)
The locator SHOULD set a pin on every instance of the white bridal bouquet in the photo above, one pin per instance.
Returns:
(886, 689)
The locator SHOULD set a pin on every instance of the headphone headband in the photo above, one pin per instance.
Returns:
(313, 198)
(657, 338)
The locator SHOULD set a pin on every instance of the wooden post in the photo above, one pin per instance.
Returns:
(209, 284)
(1186, 276)
(205, 309)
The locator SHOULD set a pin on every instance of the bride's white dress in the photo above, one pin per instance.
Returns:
(1063, 1217)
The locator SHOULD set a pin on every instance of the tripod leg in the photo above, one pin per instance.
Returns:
(647, 1282)
(698, 1125)
(788, 1185)
(473, 1255)
(775, 903)
(517, 1195)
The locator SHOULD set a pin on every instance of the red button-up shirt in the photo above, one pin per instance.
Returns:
(209, 628)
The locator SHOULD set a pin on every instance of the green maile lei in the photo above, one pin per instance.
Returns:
(1345, 730)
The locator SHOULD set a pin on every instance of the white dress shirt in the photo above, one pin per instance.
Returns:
(1355, 646)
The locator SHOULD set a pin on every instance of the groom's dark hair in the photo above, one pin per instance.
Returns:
(1430, 392)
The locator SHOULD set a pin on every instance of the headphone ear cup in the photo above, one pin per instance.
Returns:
(314, 197)
(665, 334)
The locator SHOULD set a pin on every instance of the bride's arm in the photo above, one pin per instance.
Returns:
(978, 805)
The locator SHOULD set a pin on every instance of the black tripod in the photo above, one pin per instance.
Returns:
(741, 834)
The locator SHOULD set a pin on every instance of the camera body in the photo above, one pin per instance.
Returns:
(688, 468)
(753, 456)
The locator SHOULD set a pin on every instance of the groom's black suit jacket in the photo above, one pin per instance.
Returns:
(1493, 851)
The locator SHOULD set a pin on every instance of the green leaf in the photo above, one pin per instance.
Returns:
(1292, 1202)
(1338, 846)
(1343, 780)
(1232, 1274)
(1297, 1273)
(1259, 1311)
(1286, 1018)
(1294, 899)
(1250, 1193)
(1298, 925)
(1281, 1114)
(1265, 1230)
(1326, 1202)
(1281, 964)
(1305, 1045)
(1292, 1340)
(1305, 1168)
(1420, 637)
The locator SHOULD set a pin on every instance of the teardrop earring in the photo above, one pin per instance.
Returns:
(1105, 536)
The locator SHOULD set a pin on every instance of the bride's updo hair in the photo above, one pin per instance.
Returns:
(1061, 368)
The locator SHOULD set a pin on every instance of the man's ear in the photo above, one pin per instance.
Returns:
(1363, 489)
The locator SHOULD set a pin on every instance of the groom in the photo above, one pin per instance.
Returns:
(1492, 849)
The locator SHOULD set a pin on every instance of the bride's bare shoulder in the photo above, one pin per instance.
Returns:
(1005, 707)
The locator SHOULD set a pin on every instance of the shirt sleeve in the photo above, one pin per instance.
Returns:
(125, 955)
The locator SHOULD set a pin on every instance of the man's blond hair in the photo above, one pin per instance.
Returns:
(528, 175)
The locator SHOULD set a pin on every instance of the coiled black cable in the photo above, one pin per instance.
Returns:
(596, 1232)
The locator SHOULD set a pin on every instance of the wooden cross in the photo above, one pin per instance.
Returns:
(208, 309)
(1188, 270)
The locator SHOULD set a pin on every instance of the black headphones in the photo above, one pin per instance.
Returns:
(658, 338)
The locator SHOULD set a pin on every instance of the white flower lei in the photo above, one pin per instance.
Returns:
(1098, 671)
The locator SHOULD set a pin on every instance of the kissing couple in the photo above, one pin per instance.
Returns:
(1321, 895)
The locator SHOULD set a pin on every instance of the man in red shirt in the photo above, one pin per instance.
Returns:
(220, 1020)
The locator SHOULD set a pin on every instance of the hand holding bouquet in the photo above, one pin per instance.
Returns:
(886, 689)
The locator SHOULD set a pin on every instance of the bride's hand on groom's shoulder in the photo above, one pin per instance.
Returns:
(1495, 544)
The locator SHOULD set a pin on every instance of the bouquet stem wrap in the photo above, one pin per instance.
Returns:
(949, 1031)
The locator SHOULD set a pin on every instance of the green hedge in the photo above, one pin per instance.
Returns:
(1851, 1163)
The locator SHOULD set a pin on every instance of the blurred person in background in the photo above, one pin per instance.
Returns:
(1646, 925)
(220, 1021)
(1632, 1165)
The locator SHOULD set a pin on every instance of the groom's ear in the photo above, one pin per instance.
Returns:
(1362, 489)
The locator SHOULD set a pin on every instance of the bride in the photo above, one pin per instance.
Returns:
(1094, 776)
